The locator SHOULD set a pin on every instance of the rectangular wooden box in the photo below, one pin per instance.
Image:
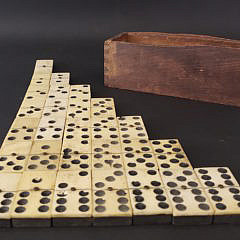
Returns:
(190, 66)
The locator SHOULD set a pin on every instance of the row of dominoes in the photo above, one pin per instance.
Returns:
(128, 154)
(108, 198)
(68, 160)
(113, 178)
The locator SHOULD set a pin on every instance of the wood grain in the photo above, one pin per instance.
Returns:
(183, 65)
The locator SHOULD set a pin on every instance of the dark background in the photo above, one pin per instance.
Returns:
(72, 33)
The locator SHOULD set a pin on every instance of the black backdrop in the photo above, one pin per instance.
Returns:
(72, 33)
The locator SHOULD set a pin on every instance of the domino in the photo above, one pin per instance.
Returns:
(56, 102)
(43, 66)
(105, 146)
(76, 102)
(102, 102)
(9, 181)
(79, 102)
(60, 75)
(37, 180)
(143, 178)
(71, 133)
(179, 178)
(43, 63)
(76, 147)
(60, 79)
(37, 94)
(19, 135)
(73, 180)
(80, 91)
(42, 93)
(16, 148)
(46, 147)
(136, 146)
(29, 113)
(107, 161)
(103, 112)
(150, 206)
(226, 204)
(133, 133)
(130, 121)
(41, 77)
(32, 209)
(59, 93)
(54, 112)
(112, 208)
(167, 146)
(79, 142)
(75, 112)
(140, 161)
(80, 96)
(78, 122)
(172, 161)
(72, 162)
(33, 101)
(72, 208)
(52, 122)
(190, 206)
(108, 179)
(47, 134)
(77, 87)
(104, 122)
(34, 88)
(216, 177)
(39, 83)
(12, 163)
(110, 133)
(44, 162)
(59, 89)
(25, 123)
(81, 88)
(6, 204)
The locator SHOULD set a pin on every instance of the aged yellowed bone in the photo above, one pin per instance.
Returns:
(68, 160)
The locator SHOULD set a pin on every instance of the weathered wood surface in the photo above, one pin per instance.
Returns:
(183, 65)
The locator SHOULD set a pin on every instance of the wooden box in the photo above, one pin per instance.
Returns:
(184, 65)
